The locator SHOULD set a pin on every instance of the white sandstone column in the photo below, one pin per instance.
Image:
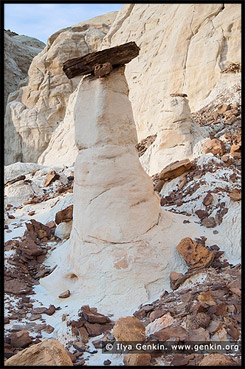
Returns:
(114, 199)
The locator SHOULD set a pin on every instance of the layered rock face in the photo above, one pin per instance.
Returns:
(19, 50)
(188, 58)
(184, 48)
(36, 110)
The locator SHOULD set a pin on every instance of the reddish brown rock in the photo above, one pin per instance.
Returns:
(213, 146)
(49, 329)
(50, 310)
(233, 332)
(101, 70)
(209, 222)
(83, 334)
(6, 320)
(129, 329)
(179, 360)
(214, 326)
(50, 177)
(175, 169)
(159, 185)
(206, 298)
(64, 215)
(51, 224)
(217, 360)
(30, 248)
(16, 286)
(34, 228)
(208, 199)
(221, 309)
(235, 195)
(201, 214)
(65, 294)
(20, 339)
(232, 119)
(17, 179)
(195, 254)
(203, 320)
(158, 313)
(95, 329)
(173, 278)
(171, 333)
(49, 352)
(182, 182)
(137, 360)
(107, 362)
(198, 335)
(98, 343)
(235, 150)
(236, 291)
(223, 108)
(31, 212)
(94, 317)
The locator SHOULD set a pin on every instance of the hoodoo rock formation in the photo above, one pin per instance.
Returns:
(93, 244)
(174, 139)
(116, 254)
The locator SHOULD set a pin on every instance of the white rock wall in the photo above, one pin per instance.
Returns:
(19, 50)
(183, 48)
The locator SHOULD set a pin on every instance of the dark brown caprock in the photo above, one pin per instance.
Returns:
(116, 56)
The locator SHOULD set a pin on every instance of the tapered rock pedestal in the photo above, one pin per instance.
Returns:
(122, 245)
(113, 196)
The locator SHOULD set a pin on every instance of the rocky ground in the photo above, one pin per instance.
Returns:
(204, 304)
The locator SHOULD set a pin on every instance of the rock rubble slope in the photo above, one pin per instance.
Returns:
(116, 242)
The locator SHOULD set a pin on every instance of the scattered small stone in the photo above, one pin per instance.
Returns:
(51, 177)
(6, 320)
(31, 212)
(65, 294)
(94, 317)
(201, 214)
(49, 329)
(50, 310)
(208, 200)
(64, 215)
(107, 362)
(209, 222)
(175, 169)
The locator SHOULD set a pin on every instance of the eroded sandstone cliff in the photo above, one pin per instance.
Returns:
(36, 110)
(19, 50)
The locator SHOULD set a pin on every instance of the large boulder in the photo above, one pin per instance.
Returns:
(49, 352)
